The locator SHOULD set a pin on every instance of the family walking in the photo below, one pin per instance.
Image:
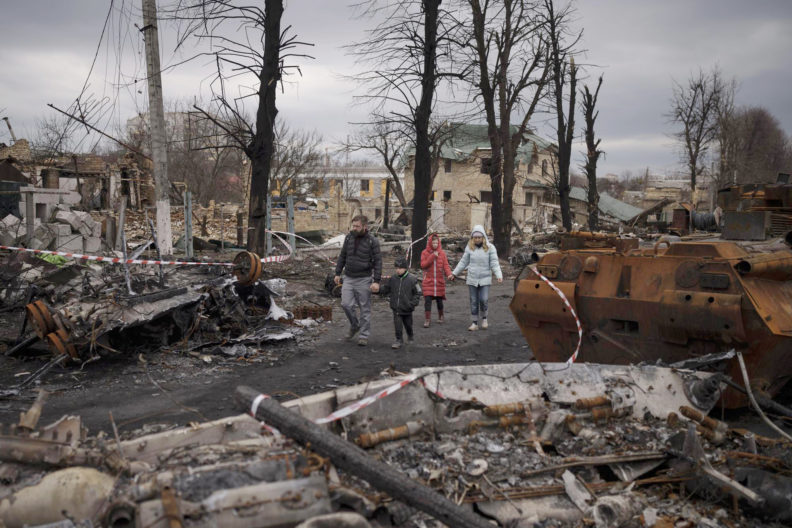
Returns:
(360, 262)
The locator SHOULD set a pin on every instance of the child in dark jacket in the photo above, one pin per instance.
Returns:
(405, 295)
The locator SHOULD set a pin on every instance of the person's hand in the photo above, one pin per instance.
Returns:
(374, 287)
(451, 277)
(337, 279)
(500, 280)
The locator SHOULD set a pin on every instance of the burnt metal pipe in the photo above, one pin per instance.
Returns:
(352, 459)
(776, 265)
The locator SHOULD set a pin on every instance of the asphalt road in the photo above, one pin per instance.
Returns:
(175, 388)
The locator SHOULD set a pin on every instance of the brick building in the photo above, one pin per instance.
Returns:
(461, 191)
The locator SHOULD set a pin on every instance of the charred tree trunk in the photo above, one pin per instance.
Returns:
(565, 123)
(592, 153)
(422, 175)
(261, 147)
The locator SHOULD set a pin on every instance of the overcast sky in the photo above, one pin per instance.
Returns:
(46, 49)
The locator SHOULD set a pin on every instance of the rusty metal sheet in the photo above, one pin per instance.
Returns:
(700, 315)
(745, 225)
(772, 300)
(535, 303)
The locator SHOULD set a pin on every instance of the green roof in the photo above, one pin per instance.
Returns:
(467, 139)
(608, 205)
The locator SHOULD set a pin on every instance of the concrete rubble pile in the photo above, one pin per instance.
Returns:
(519, 445)
(69, 231)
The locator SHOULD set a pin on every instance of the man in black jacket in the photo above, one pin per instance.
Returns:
(361, 262)
(405, 295)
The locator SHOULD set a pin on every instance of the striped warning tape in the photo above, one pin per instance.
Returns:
(553, 287)
(145, 262)
(353, 407)
(365, 402)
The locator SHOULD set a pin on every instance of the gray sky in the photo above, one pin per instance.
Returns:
(46, 49)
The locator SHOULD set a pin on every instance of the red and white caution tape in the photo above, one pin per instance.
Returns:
(365, 402)
(144, 262)
(353, 407)
(553, 287)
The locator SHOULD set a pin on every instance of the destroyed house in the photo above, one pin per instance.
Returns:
(461, 191)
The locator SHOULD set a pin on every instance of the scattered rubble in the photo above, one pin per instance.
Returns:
(522, 444)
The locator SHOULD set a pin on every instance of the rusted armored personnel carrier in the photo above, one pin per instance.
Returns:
(672, 301)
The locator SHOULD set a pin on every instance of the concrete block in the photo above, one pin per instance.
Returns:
(70, 243)
(35, 243)
(10, 221)
(7, 238)
(70, 218)
(44, 236)
(71, 198)
(92, 245)
(85, 230)
(61, 229)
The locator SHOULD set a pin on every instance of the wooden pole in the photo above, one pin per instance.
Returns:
(30, 217)
(240, 228)
(387, 205)
(354, 460)
(159, 144)
(188, 227)
(121, 220)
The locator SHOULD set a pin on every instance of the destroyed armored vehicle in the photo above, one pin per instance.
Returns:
(671, 302)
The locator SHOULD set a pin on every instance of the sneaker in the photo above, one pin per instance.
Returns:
(426, 323)
(473, 327)
(410, 339)
(484, 324)
(362, 341)
(352, 333)
(396, 345)
(441, 319)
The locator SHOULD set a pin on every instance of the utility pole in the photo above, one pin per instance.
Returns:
(159, 147)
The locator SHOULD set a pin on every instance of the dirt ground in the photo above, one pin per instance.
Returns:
(169, 387)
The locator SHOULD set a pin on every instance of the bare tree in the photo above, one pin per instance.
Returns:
(510, 71)
(297, 168)
(246, 41)
(695, 108)
(753, 147)
(391, 146)
(590, 114)
(404, 52)
(562, 44)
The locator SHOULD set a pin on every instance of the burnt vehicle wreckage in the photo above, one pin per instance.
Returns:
(616, 433)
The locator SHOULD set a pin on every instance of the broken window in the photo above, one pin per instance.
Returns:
(446, 196)
(446, 165)
(528, 200)
(486, 164)
(365, 185)
(486, 196)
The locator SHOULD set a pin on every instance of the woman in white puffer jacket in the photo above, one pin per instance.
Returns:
(481, 261)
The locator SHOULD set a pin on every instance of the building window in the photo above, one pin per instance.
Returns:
(446, 196)
(544, 168)
(365, 185)
(446, 165)
(528, 199)
(486, 196)
(434, 195)
(486, 163)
